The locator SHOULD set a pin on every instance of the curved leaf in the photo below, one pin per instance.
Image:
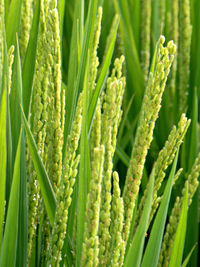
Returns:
(45, 184)
(9, 247)
(152, 251)
(178, 246)
(134, 254)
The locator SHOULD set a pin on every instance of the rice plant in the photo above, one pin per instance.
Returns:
(99, 125)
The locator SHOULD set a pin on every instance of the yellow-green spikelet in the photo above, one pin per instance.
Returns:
(91, 240)
(47, 129)
(110, 121)
(25, 25)
(94, 58)
(174, 36)
(117, 247)
(65, 189)
(144, 133)
(185, 34)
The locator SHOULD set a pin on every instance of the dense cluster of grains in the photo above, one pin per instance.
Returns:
(27, 9)
(185, 34)
(110, 122)
(91, 240)
(144, 134)
(165, 158)
(105, 232)
(65, 189)
(47, 105)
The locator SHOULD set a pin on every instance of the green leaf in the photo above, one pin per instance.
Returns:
(3, 155)
(30, 60)
(186, 261)
(16, 100)
(87, 46)
(45, 184)
(9, 247)
(135, 250)
(102, 77)
(61, 12)
(178, 245)
(22, 246)
(122, 155)
(73, 64)
(135, 80)
(84, 171)
(190, 154)
(13, 21)
(152, 251)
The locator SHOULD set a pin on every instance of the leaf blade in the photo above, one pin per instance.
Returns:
(152, 251)
(134, 254)
(45, 184)
(178, 246)
(9, 247)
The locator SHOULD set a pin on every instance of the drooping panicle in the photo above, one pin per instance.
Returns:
(94, 57)
(144, 134)
(185, 34)
(165, 158)
(25, 25)
(46, 108)
(111, 117)
(90, 250)
(65, 189)
(174, 36)
(117, 247)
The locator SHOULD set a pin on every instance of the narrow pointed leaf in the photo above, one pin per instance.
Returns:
(152, 251)
(79, 81)
(177, 249)
(3, 155)
(9, 247)
(16, 100)
(134, 254)
(13, 21)
(45, 184)
(22, 245)
(83, 171)
(186, 261)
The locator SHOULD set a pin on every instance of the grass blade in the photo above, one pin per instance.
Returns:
(73, 64)
(9, 247)
(45, 184)
(61, 12)
(22, 246)
(87, 46)
(177, 249)
(186, 261)
(190, 153)
(16, 100)
(84, 173)
(134, 254)
(3, 155)
(13, 21)
(152, 251)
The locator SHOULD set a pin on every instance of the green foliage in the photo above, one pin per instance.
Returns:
(94, 107)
